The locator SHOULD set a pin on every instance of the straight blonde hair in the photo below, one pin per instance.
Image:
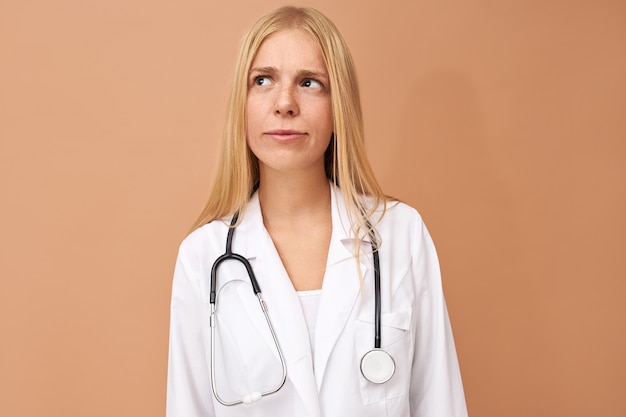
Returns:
(346, 162)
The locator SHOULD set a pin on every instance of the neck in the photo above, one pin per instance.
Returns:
(294, 196)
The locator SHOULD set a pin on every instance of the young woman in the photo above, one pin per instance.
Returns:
(352, 320)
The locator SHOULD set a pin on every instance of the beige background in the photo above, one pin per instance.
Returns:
(503, 122)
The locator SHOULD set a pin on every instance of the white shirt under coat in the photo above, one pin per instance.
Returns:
(415, 325)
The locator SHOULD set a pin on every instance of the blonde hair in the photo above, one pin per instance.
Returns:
(345, 159)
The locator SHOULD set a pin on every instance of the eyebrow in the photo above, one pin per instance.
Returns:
(267, 70)
(301, 73)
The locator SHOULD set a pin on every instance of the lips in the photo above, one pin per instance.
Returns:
(285, 135)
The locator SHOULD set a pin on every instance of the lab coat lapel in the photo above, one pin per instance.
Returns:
(340, 288)
(286, 313)
(283, 306)
(250, 241)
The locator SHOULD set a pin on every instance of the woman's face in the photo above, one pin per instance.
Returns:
(289, 117)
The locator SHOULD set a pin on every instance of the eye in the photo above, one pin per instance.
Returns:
(311, 83)
(262, 80)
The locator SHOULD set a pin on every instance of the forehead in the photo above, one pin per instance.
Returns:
(290, 49)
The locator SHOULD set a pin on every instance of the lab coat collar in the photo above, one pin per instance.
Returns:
(340, 291)
(252, 225)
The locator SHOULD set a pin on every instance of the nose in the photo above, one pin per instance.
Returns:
(286, 102)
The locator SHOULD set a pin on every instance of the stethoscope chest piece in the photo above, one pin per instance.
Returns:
(377, 366)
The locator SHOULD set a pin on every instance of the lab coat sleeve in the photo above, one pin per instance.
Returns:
(188, 383)
(436, 387)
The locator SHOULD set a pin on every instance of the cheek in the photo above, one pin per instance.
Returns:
(251, 118)
(322, 115)
(256, 113)
(328, 113)
(252, 126)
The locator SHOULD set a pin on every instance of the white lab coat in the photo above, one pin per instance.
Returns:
(415, 326)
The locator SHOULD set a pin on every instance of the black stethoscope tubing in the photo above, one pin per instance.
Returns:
(377, 311)
(371, 359)
(228, 254)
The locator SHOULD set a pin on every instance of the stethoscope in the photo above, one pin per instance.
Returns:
(377, 366)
